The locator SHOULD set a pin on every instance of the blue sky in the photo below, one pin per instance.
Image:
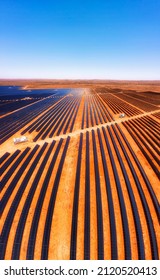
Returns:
(105, 39)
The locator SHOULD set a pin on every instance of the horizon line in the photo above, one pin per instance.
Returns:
(76, 79)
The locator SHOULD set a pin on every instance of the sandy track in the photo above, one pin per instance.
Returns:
(12, 147)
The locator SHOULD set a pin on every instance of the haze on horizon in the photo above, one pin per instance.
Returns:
(114, 39)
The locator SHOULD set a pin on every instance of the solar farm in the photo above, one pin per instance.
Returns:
(84, 185)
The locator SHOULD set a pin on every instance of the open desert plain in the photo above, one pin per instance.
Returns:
(85, 183)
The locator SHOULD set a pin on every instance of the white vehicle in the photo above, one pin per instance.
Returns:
(20, 140)
(122, 115)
